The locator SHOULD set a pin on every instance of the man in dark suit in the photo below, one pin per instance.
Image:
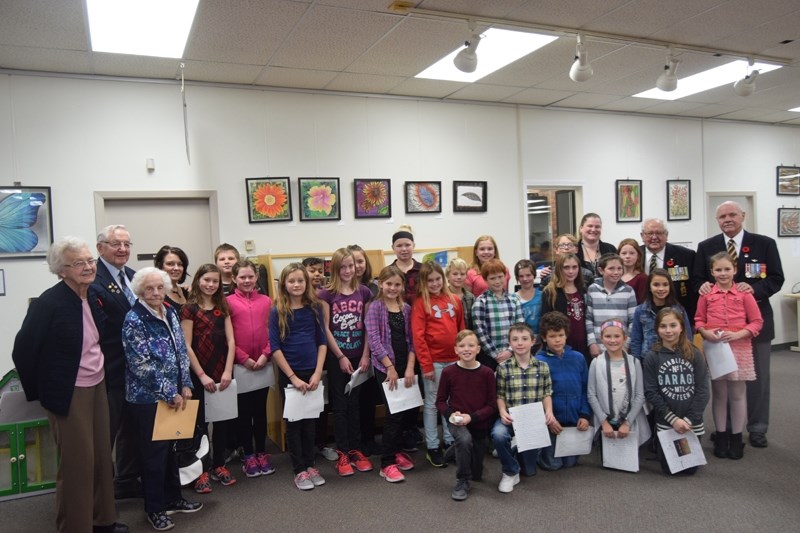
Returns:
(112, 284)
(758, 271)
(677, 260)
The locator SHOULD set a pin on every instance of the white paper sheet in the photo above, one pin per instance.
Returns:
(222, 405)
(720, 358)
(681, 451)
(299, 406)
(530, 428)
(249, 380)
(571, 441)
(621, 454)
(402, 398)
(357, 378)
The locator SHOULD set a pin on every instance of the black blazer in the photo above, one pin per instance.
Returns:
(47, 349)
(760, 252)
(676, 258)
(603, 247)
(115, 306)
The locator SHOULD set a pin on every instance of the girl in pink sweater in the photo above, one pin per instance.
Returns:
(250, 318)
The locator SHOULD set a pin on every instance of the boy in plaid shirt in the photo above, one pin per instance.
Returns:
(493, 313)
(520, 380)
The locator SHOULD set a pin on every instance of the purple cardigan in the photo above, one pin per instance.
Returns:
(379, 336)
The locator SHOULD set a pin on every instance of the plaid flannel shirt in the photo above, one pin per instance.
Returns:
(492, 316)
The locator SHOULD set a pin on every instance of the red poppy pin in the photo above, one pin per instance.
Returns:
(670, 263)
(745, 249)
(217, 312)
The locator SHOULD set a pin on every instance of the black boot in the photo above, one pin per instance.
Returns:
(721, 440)
(736, 449)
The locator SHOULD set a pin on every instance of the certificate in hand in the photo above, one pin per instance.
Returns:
(402, 398)
(171, 424)
(681, 451)
(357, 378)
(299, 406)
(720, 359)
(222, 405)
(530, 428)
(249, 380)
(571, 442)
(622, 454)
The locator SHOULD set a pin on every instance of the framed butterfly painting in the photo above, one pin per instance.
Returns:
(26, 221)
(469, 196)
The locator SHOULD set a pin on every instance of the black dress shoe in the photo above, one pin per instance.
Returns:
(758, 440)
(116, 527)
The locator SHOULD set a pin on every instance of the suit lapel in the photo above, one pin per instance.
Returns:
(111, 285)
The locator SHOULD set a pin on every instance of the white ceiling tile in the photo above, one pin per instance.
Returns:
(538, 97)
(43, 23)
(45, 59)
(586, 100)
(135, 66)
(708, 111)
(671, 108)
(363, 83)
(295, 78)
(213, 71)
(484, 92)
(627, 105)
(574, 14)
(426, 88)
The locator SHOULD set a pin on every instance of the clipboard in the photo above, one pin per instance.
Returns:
(171, 424)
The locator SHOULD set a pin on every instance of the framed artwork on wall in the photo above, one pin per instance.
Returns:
(372, 198)
(469, 196)
(788, 181)
(268, 200)
(679, 200)
(319, 199)
(629, 200)
(26, 221)
(788, 222)
(423, 196)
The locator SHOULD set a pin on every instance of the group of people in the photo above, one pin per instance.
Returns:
(595, 335)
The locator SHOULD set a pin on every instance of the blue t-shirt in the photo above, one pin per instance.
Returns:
(305, 334)
(532, 311)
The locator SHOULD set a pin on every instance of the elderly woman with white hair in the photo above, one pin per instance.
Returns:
(58, 357)
(157, 369)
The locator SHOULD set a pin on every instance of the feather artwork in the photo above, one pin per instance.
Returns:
(18, 213)
(472, 196)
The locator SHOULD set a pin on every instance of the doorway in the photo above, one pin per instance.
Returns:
(550, 212)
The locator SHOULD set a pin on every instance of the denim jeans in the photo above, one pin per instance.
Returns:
(470, 449)
(501, 437)
(549, 461)
(429, 412)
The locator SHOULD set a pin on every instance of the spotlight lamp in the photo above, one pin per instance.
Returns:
(467, 59)
(668, 80)
(747, 85)
(581, 69)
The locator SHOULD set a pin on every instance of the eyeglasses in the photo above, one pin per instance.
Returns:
(83, 264)
(649, 234)
(118, 244)
(566, 246)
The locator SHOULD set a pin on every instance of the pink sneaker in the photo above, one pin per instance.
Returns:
(358, 460)
(392, 474)
(250, 466)
(264, 465)
(403, 461)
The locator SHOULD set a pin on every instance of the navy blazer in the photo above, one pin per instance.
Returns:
(115, 306)
(755, 250)
(47, 349)
(675, 257)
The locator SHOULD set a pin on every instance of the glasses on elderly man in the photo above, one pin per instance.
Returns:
(84, 264)
(649, 234)
(118, 244)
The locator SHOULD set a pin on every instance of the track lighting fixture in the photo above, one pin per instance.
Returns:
(581, 69)
(467, 59)
(747, 85)
(668, 80)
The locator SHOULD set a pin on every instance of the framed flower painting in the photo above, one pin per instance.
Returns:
(319, 199)
(268, 200)
(372, 198)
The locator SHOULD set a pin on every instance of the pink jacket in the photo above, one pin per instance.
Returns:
(250, 320)
(728, 310)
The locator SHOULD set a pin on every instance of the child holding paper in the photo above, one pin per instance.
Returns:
(675, 381)
(570, 376)
(467, 398)
(298, 342)
(616, 389)
(520, 380)
(250, 320)
(206, 325)
(727, 315)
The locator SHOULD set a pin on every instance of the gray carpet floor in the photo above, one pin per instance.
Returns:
(758, 493)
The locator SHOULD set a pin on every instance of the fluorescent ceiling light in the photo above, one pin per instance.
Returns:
(796, 109)
(708, 79)
(156, 28)
(498, 48)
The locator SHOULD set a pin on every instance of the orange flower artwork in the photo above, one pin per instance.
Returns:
(268, 199)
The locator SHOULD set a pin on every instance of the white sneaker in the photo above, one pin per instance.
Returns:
(507, 483)
(329, 453)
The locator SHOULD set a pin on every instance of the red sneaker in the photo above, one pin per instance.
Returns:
(358, 460)
(403, 461)
(223, 475)
(343, 466)
(202, 485)
(392, 474)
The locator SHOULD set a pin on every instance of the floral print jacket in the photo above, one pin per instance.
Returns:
(157, 364)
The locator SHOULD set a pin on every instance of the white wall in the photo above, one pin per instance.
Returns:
(79, 136)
